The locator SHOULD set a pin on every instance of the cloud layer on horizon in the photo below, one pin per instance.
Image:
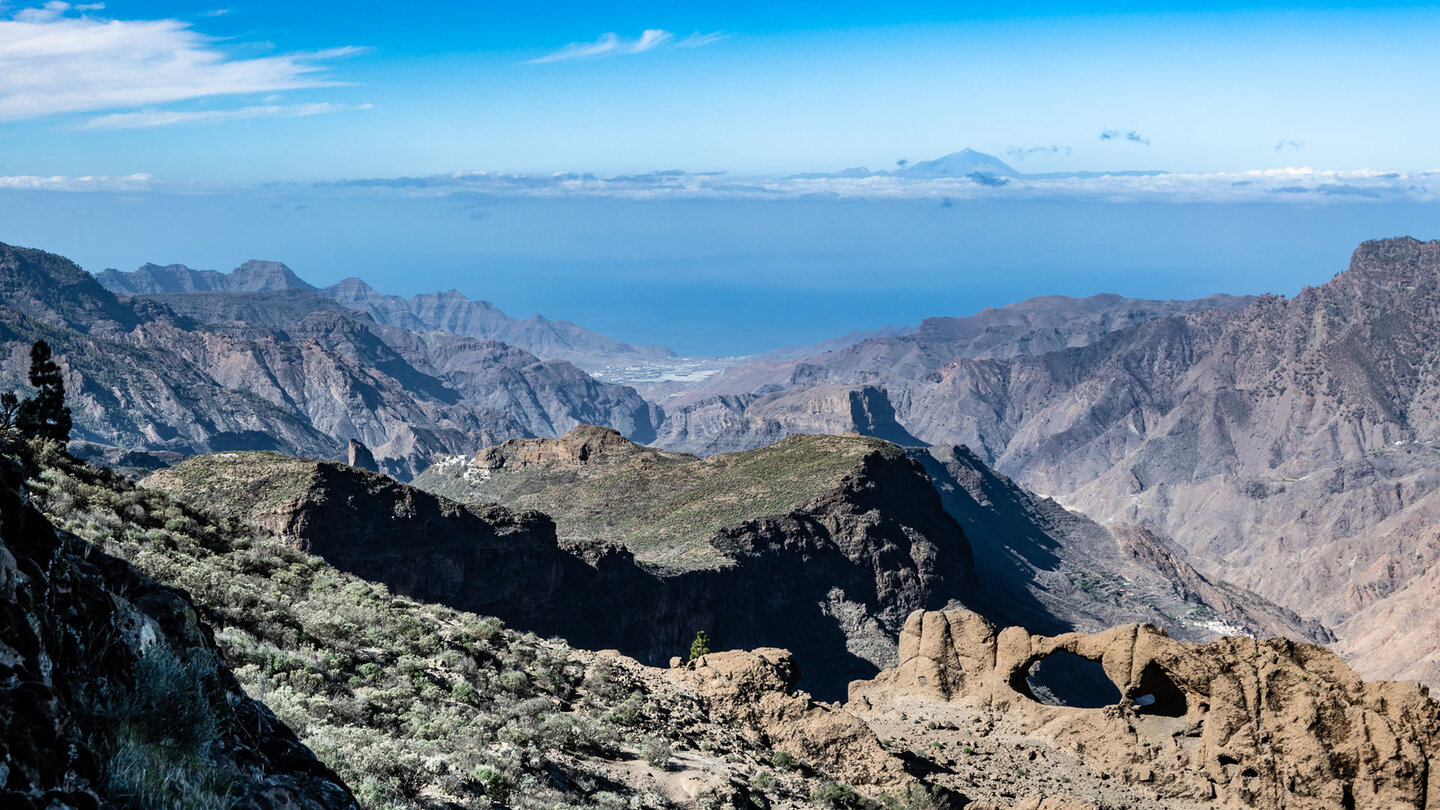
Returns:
(1278, 186)
(1288, 185)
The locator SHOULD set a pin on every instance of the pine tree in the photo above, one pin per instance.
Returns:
(9, 410)
(700, 646)
(45, 414)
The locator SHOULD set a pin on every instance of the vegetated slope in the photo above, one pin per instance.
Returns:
(1051, 570)
(414, 705)
(422, 706)
(1288, 447)
(114, 692)
(283, 370)
(832, 580)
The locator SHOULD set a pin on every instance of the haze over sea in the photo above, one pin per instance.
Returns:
(720, 277)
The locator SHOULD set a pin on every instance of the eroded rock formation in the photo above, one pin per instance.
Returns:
(1234, 723)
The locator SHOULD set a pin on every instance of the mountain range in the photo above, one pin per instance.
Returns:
(448, 311)
(1228, 428)
(286, 370)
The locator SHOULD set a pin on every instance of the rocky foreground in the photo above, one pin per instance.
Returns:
(1236, 723)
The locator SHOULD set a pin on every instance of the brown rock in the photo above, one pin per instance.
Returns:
(1235, 723)
(753, 690)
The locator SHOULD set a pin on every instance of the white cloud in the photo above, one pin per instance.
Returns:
(53, 63)
(697, 39)
(129, 182)
(613, 44)
(140, 120)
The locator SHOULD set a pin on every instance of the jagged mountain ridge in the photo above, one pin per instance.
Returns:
(456, 314)
(252, 276)
(305, 381)
(448, 311)
(1030, 327)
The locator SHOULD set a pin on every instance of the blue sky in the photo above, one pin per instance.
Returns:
(743, 87)
(417, 145)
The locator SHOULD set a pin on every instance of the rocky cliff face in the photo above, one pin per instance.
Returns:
(832, 579)
(281, 369)
(732, 423)
(112, 692)
(1235, 723)
(1051, 570)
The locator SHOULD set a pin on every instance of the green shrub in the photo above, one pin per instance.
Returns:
(784, 760)
(656, 751)
(836, 795)
(916, 797)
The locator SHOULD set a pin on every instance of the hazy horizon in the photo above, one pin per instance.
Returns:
(716, 277)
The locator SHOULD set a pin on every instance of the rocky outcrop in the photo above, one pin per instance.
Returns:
(755, 690)
(577, 446)
(110, 689)
(1234, 723)
(361, 457)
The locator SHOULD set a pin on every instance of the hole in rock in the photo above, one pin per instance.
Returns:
(1156, 693)
(1065, 679)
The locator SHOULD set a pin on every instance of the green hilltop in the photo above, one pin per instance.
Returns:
(663, 506)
